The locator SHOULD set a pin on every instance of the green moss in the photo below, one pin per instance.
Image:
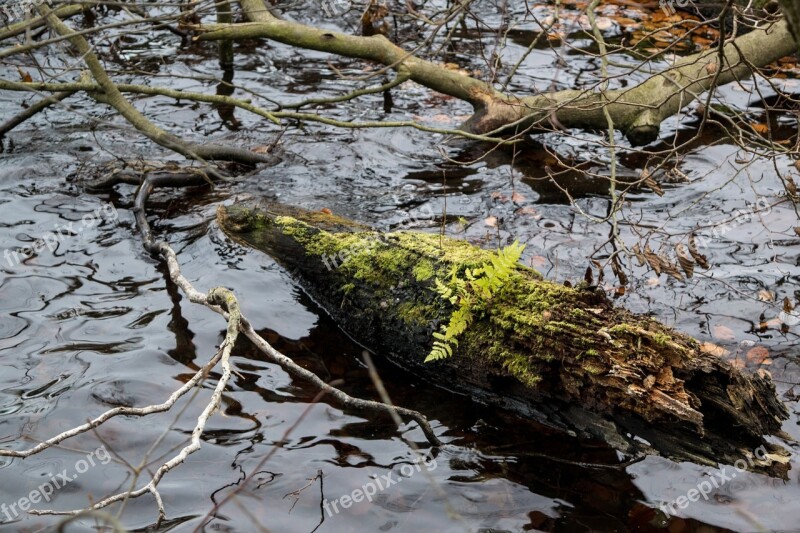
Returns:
(416, 314)
(593, 369)
(424, 270)
(525, 304)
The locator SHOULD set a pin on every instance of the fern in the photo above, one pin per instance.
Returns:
(471, 293)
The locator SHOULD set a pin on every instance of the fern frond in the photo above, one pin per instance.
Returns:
(478, 286)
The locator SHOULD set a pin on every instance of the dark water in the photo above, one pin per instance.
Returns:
(91, 323)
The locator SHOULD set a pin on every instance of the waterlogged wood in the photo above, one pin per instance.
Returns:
(560, 355)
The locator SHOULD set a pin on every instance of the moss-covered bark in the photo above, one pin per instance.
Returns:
(534, 344)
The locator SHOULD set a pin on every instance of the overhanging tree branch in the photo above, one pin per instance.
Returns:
(638, 111)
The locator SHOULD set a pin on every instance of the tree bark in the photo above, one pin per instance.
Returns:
(791, 10)
(560, 355)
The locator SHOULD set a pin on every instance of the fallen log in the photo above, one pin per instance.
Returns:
(563, 356)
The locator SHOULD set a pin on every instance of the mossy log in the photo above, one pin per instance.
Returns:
(564, 356)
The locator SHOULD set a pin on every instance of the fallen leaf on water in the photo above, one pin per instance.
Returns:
(758, 356)
(790, 185)
(766, 296)
(442, 118)
(772, 323)
(24, 76)
(517, 198)
(530, 211)
(723, 333)
(712, 349)
(538, 261)
(491, 221)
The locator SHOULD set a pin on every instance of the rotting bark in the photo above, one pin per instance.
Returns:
(638, 111)
(564, 356)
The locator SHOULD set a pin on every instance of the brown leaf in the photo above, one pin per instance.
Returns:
(517, 198)
(787, 305)
(374, 14)
(491, 221)
(790, 185)
(326, 211)
(671, 270)
(618, 271)
(686, 262)
(640, 258)
(699, 258)
(538, 261)
(723, 333)
(772, 323)
(797, 230)
(441, 118)
(766, 296)
(648, 180)
(588, 277)
(758, 355)
(530, 211)
(652, 260)
(712, 349)
(24, 76)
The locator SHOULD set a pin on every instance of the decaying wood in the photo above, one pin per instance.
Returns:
(564, 356)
